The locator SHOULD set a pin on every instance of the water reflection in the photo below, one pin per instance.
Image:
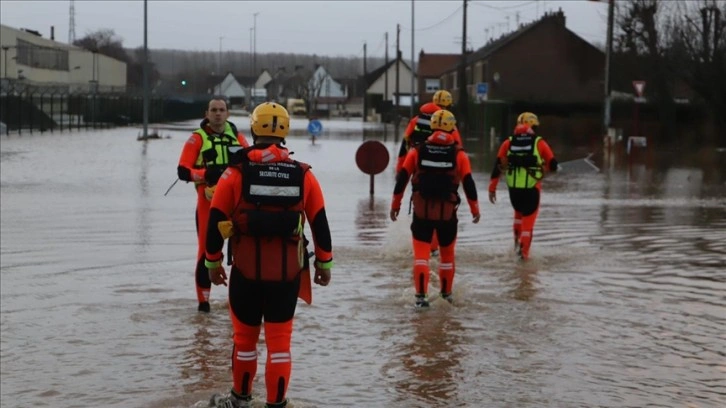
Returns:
(205, 354)
(371, 219)
(144, 208)
(431, 360)
(525, 280)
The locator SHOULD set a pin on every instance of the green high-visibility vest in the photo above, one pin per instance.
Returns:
(524, 163)
(219, 144)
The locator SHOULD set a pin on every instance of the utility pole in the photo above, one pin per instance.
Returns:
(385, 83)
(463, 100)
(254, 55)
(365, 82)
(219, 57)
(413, 74)
(252, 70)
(608, 52)
(146, 75)
(398, 67)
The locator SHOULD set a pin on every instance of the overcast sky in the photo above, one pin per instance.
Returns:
(331, 28)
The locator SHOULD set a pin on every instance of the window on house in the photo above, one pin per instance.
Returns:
(484, 72)
(454, 84)
(432, 85)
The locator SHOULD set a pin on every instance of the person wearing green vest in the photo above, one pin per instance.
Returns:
(524, 158)
(204, 158)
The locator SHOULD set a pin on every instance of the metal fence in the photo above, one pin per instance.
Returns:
(33, 108)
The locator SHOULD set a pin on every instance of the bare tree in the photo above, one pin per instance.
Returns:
(104, 42)
(107, 43)
(641, 41)
(672, 42)
(698, 52)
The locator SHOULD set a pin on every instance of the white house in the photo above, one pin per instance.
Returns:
(232, 89)
(325, 92)
(376, 82)
(258, 91)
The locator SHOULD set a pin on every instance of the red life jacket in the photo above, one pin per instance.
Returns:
(435, 182)
(269, 220)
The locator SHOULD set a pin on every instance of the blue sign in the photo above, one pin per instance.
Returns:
(482, 88)
(315, 127)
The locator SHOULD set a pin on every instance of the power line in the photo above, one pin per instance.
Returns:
(438, 23)
(500, 8)
(380, 45)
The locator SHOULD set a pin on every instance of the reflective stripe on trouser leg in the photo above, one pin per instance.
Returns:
(421, 272)
(528, 232)
(279, 360)
(244, 357)
(202, 282)
(517, 226)
(446, 267)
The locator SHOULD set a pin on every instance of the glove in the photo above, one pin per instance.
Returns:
(394, 213)
(226, 228)
(212, 175)
(216, 272)
(476, 216)
(322, 272)
(493, 197)
(209, 192)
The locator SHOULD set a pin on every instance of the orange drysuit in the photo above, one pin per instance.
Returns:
(524, 199)
(437, 166)
(190, 169)
(268, 197)
(417, 131)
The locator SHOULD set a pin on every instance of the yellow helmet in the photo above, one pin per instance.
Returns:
(443, 120)
(528, 118)
(270, 119)
(442, 98)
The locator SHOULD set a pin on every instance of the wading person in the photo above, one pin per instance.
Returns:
(419, 129)
(436, 168)
(523, 158)
(203, 159)
(268, 197)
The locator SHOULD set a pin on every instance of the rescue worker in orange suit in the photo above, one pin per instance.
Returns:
(436, 168)
(203, 159)
(419, 129)
(524, 158)
(268, 197)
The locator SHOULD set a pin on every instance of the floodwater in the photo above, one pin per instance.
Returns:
(623, 303)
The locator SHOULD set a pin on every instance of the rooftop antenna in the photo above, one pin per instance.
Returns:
(72, 23)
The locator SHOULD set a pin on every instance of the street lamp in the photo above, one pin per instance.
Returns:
(219, 59)
(254, 54)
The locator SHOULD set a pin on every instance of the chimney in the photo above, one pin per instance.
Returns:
(560, 17)
(52, 33)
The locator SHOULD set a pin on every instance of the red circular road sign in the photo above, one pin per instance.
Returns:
(372, 157)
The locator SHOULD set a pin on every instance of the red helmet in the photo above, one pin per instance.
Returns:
(523, 129)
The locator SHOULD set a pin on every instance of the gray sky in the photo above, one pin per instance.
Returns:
(331, 28)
